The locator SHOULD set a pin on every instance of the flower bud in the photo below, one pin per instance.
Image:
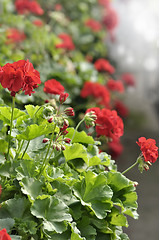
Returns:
(63, 97)
(69, 111)
(63, 147)
(46, 101)
(90, 119)
(45, 140)
(67, 140)
(58, 147)
(50, 120)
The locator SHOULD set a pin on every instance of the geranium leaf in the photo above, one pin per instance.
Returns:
(32, 110)
(3, 146)
(76, 151)
(80, 137)
(117, 218)
(27, 168)
(34, 131)
(6, 223)
(75, 232)
(53, 211)
(31, 187)
(5, 114)
(94, 192)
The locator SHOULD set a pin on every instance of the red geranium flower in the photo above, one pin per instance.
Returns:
(18, 76)
(121, 109)
(93, 24)
(66, 42)
(38, 23)
(149, 149)
(52, 86)
(58, 7)
(105, 3)
(128, 79)
(103, 65)
(115, 148)
(108, 123)
(115, 85)
(4, 235)
(110, 20)
(15, 36)
(98, 91)
(27, 6)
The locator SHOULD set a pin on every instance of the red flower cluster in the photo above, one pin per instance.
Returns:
(108, 123)
(18, 76)
(58, 7)
(121, 109)
(52, 86)
(14, 36)
(27, 6)
(66, 42)
(38, 23)
(149, 149)
(105, 3)
(115, 85)
(110, 20)
(103, 65)
(93, 24)
(4, 235)
(115, 148)
(128, 79)
(98, 91)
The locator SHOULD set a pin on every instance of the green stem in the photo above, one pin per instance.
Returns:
(20, 148)
(11, 125)
(77, 128)
(45, 159)
(137, 161)
(25, 149)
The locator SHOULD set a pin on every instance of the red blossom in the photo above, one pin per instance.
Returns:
(67, 140)
(14, 36)
(18, 76)
(148, 148)
(38, 23)
(58, 7)
(103, 65)
(110, 20)
(27, 6)
(108, 123)
(105, 3)
(0, 189)
(121, 109)
(115, 148)
(128, 79)
(66, 43)
(4, 235)
(93, 24)
(97, 91)
(115, 85)
(52, 86)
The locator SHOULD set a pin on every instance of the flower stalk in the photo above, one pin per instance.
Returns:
(11, 126)
(128, 169)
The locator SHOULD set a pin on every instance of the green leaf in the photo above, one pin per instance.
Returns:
(117, 181)
(31, 187)
(64, 193)
(33, 110)
(75, 232)
(27, 168)
(88, 231)
(34, 131)
(15, 237)
(6, 223)
(53, 211)
(94, 192)
(80, 137)
(3, 146)
(76, 151)
(53, 173)
(117, 218)
(16, 207)
(5, 114)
